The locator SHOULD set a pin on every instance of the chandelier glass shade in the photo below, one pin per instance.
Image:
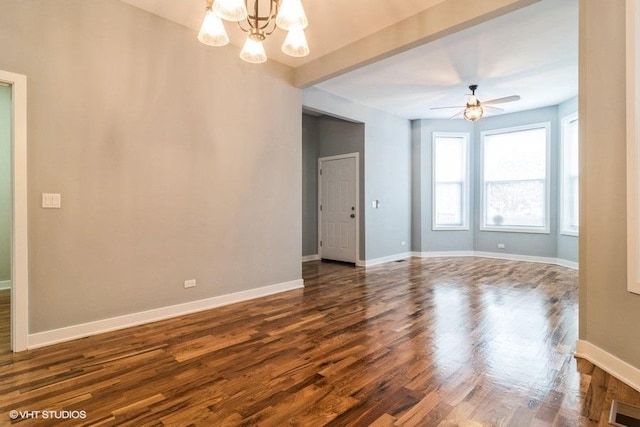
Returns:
(288, 15)
(474, 110)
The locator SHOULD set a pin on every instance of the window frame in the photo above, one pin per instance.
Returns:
(546, 229)
(564, 230)
(466, 211)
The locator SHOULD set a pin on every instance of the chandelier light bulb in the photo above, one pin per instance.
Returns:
(295, 44)
(291, 15)
(212, 32)
(253, 51)
(230, 10)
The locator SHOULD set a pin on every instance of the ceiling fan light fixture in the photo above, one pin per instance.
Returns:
(473, 112)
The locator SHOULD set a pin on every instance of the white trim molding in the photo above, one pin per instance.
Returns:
(440, 254)
(620, 369)
(69, 333)
(445, 254)
(307, 258)
(383, 260)
(20, 249)
(499, 255)
(5, 284)
(633, 144)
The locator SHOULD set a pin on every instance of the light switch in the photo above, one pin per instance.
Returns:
(51, 200)
(375, 204)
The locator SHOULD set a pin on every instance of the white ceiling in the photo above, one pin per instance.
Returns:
(532, 52)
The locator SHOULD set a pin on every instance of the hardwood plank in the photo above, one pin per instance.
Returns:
(426, 342)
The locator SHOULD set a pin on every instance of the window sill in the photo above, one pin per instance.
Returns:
(451, 228)
(516, 230)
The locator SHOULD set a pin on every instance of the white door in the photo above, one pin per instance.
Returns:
(338, 209)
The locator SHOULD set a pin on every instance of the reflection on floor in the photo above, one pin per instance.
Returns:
(5, 297)
(428, 342)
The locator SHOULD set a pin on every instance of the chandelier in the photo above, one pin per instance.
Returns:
(287, 15)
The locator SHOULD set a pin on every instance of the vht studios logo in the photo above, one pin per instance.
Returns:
(48, 415)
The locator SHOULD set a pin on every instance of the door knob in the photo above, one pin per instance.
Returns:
(353, 215)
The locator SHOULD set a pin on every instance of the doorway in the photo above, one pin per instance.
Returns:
(338, 207)
(19, 286)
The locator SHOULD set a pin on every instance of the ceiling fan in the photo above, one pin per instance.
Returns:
(475, 109)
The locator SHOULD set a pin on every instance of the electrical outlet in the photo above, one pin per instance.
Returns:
(190, 283)
(500, 245)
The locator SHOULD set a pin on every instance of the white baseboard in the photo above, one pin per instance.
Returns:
(606, 361)
(499, 255)
(5, 284)
(307, 258)
(54, 336)
(438, 254)
(382, 260)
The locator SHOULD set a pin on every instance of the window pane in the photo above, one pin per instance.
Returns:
(450, 180)
(515, 179)
(574, 203)
(515, 155)
(448, 199)
(570, 177)
(516, 203)
(572, 142)
(449, 164)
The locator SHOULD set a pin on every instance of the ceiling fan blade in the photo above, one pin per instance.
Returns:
(458, 115)
(442, 108)
(502, 100)
(491, 109)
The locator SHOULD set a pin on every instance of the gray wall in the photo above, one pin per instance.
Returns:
(387, 172)
(5, 184)
(440, 240)
(169, 168)
(567, 245)
(309, 185)
(533, 244)
(609, 314)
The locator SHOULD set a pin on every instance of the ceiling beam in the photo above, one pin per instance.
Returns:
(438, 21)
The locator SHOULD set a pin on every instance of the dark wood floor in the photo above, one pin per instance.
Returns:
(428, 342)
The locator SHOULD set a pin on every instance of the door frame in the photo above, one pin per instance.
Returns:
(19, 242)
(356, 156)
